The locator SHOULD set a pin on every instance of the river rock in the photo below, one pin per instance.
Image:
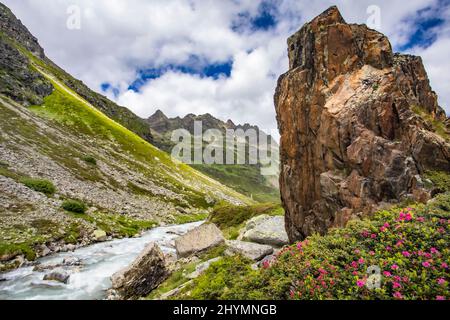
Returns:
(58, 276)
(266, 230)
(47, 285)
(72, 261)
(100, 235)
(202, 238)
(250, 250)
(144, 275)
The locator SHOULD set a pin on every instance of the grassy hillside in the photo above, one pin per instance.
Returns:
(67, 169)
(246, 179)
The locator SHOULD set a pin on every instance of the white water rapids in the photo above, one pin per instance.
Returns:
(91, 280)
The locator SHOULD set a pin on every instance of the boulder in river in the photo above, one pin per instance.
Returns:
(202, 238)
(58, 276)
(253, 251)
(266, 230)
(144, 275)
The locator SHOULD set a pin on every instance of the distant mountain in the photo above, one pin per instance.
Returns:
(246, 179)
(72, 162)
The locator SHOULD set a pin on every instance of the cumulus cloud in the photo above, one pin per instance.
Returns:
(120, 38)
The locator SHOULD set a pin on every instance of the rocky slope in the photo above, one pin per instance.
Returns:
(246, 179)
(58, 144)
(360, 126)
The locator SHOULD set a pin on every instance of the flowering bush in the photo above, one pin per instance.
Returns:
(409, 247)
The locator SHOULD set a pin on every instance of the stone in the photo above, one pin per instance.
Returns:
(44, 250)
(250, 250)
(266, 230)
(144, 275)
(201, 268)
(100, 235)
(58, 276)
(202, 238)
(47, 285)
(357, 125)
(72, 261)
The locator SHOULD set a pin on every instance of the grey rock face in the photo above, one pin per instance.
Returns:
(202, 238)
(144, 275)
(14, 29)
(17, 80)
(250, 250)
(266, 230)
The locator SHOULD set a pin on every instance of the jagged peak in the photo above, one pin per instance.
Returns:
(158, 115)
(12, 27)
(329, 17)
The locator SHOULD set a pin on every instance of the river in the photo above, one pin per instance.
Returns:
(91, 279)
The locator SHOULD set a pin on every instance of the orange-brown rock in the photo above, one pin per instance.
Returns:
(357, 125)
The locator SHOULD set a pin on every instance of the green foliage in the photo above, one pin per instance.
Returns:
(437, 126)
(230, 219)
(246, 179)
(439, 179)
(188, 218)
(118, 225)
(90, 159)
(175, 280)
(74, 206)
(15, 249)
(409, 245)
(221, 280)
(39, 185)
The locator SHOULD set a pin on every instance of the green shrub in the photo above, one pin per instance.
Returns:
(230, 219)
(409, 245)
(90, 159)
(74, 206)
(440, 180)
(225, 216)
(39, 185)
(222, 280)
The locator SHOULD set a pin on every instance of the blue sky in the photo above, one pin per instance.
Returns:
(221, 57)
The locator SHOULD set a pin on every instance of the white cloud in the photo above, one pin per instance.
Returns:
(118, 37)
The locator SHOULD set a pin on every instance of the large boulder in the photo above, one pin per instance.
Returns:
(202, 238)
(265, 230)
(58, 276)
(250, 250)
(144, 275)
(359, 125)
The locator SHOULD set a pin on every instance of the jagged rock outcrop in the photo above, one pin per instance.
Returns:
(359, 125)
(145, 274)
(13, 28)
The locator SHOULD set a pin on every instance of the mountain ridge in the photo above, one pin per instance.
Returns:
(59, 151)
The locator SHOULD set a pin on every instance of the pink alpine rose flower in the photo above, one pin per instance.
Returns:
(398, 295)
